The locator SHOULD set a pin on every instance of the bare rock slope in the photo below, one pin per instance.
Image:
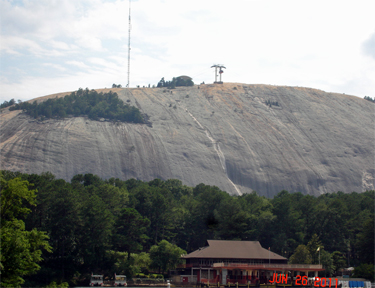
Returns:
(224, 135)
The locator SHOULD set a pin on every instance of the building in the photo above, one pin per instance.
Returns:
(223, 262)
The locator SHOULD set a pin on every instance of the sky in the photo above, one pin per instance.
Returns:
(52, 46)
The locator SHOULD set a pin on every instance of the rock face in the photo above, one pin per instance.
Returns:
(224, 135)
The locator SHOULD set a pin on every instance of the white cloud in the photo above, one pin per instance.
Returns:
(87, 42)
(79, 64)
(369, 46)
(10, 44)
(318, 44)
(62, 46)
(55, 66)
(43, 19)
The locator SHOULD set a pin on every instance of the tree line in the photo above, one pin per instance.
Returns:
(175, 82)
(83, 102)
(270, 103)
(368, 98)
(8, 103)
(134, 227)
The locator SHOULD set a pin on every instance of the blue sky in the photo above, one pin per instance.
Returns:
(51, 46)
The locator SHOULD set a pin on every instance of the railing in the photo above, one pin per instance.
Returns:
(269, 266)
(194, 265)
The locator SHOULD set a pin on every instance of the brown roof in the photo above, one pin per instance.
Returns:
(234, 250)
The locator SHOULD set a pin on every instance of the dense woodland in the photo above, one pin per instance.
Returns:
(368, 98)
(83, 102)
(7, 103)
(106, 226)
(175, 82)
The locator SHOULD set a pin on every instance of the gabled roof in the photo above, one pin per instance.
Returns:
(225, 249)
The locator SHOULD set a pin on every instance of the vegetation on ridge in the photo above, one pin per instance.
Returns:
(270, 103)
(175, 82)
(8, 103)
(368, 98)
(83, 102)
(131, 227)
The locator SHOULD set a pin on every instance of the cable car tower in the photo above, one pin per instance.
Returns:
(220, 72)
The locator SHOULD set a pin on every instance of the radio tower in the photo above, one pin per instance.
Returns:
(128, 85)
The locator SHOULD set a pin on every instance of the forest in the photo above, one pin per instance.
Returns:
(83, 102)
(175, 82)
(7, 103)
(368, 98)
(67, 230)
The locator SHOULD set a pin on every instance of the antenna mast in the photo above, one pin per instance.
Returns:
(128, 85)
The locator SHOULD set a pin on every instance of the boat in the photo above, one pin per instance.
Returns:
(96, 280)
(120, 280)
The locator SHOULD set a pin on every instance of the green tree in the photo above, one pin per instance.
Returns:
(289, 220)
(161, 83)
(165, 256)
(63, 223)
(6, 103)
(129, 266)
(261, 217)
(185, 222)
(114, 197)
(55, 285)
(339, 261)
(365, 239)
(307, 207)
(175, 82)
(96, 233)
(301, 256)
(315, 248)
(86, 102)
(130, 230)
(368, 98)
(21, 250)
(365, 271)
(327, 263)
(121, 263)
(142, 262)
(204, 215)
(155, 202)
(232, 220)
(331, 229)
